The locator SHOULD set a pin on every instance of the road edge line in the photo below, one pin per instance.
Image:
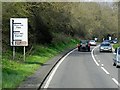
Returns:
(56, 67)
(93, 55)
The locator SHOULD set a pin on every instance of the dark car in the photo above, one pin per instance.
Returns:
(84, 45)
(114, 41)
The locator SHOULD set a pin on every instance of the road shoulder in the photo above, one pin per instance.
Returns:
(35, 80)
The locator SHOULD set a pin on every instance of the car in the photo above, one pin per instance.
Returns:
(105, 46)
(92, 42)
(106, 41)
(84, 45)
(114, 41)
(116, 57)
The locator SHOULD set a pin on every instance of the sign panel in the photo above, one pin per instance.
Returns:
(110, 38)
(19, 32)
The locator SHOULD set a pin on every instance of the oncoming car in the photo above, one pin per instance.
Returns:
(114, 41)
(105, 46)
(84, 45)
(92, 42)
(116, 57)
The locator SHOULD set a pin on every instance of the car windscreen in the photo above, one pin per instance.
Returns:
(105, 44)
(84, 41)
(114, 40)
(92, 41)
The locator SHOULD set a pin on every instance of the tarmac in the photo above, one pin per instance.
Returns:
(35, 81)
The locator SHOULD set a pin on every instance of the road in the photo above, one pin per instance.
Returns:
(84, 70)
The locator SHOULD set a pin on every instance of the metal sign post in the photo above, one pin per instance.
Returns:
(24, 54)
(13, 53)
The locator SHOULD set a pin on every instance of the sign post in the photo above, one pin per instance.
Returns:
(18, 33)
(24, 54)
(13, 53)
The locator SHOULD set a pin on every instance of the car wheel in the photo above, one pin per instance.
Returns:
(117, 66)
(88, 49)
(114, 64)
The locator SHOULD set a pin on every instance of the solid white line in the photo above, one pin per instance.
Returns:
(56, 67)
(105, 70)
(93, 56)
(116, 81)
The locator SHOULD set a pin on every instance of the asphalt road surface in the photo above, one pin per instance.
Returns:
(84, 70)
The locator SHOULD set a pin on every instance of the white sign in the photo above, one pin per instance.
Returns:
(19, 32)
(110, 38)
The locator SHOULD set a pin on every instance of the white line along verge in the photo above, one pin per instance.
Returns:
(56, 67)
(93, 55)
(116, 81)
(105, 70)
(102, 65)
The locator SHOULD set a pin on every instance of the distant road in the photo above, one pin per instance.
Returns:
(79, 70)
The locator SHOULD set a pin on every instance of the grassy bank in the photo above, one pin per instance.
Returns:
(15, 71)
(116, 45)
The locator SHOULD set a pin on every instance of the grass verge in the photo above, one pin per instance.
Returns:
(116, 45)
(15, 71)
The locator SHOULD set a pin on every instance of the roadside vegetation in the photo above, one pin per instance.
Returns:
(116, 45)
(53, 27)
(15, 71)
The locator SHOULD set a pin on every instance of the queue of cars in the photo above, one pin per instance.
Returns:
(105, 46)
(85, 45)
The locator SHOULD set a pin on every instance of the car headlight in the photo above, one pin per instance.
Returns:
(101, 48)
(110, 48)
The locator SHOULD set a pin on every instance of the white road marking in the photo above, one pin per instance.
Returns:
(105, 70)
(56, 67)
(102, 65)
(116, 81)
(93, 56)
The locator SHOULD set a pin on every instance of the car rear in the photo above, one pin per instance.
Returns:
(84, 45)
